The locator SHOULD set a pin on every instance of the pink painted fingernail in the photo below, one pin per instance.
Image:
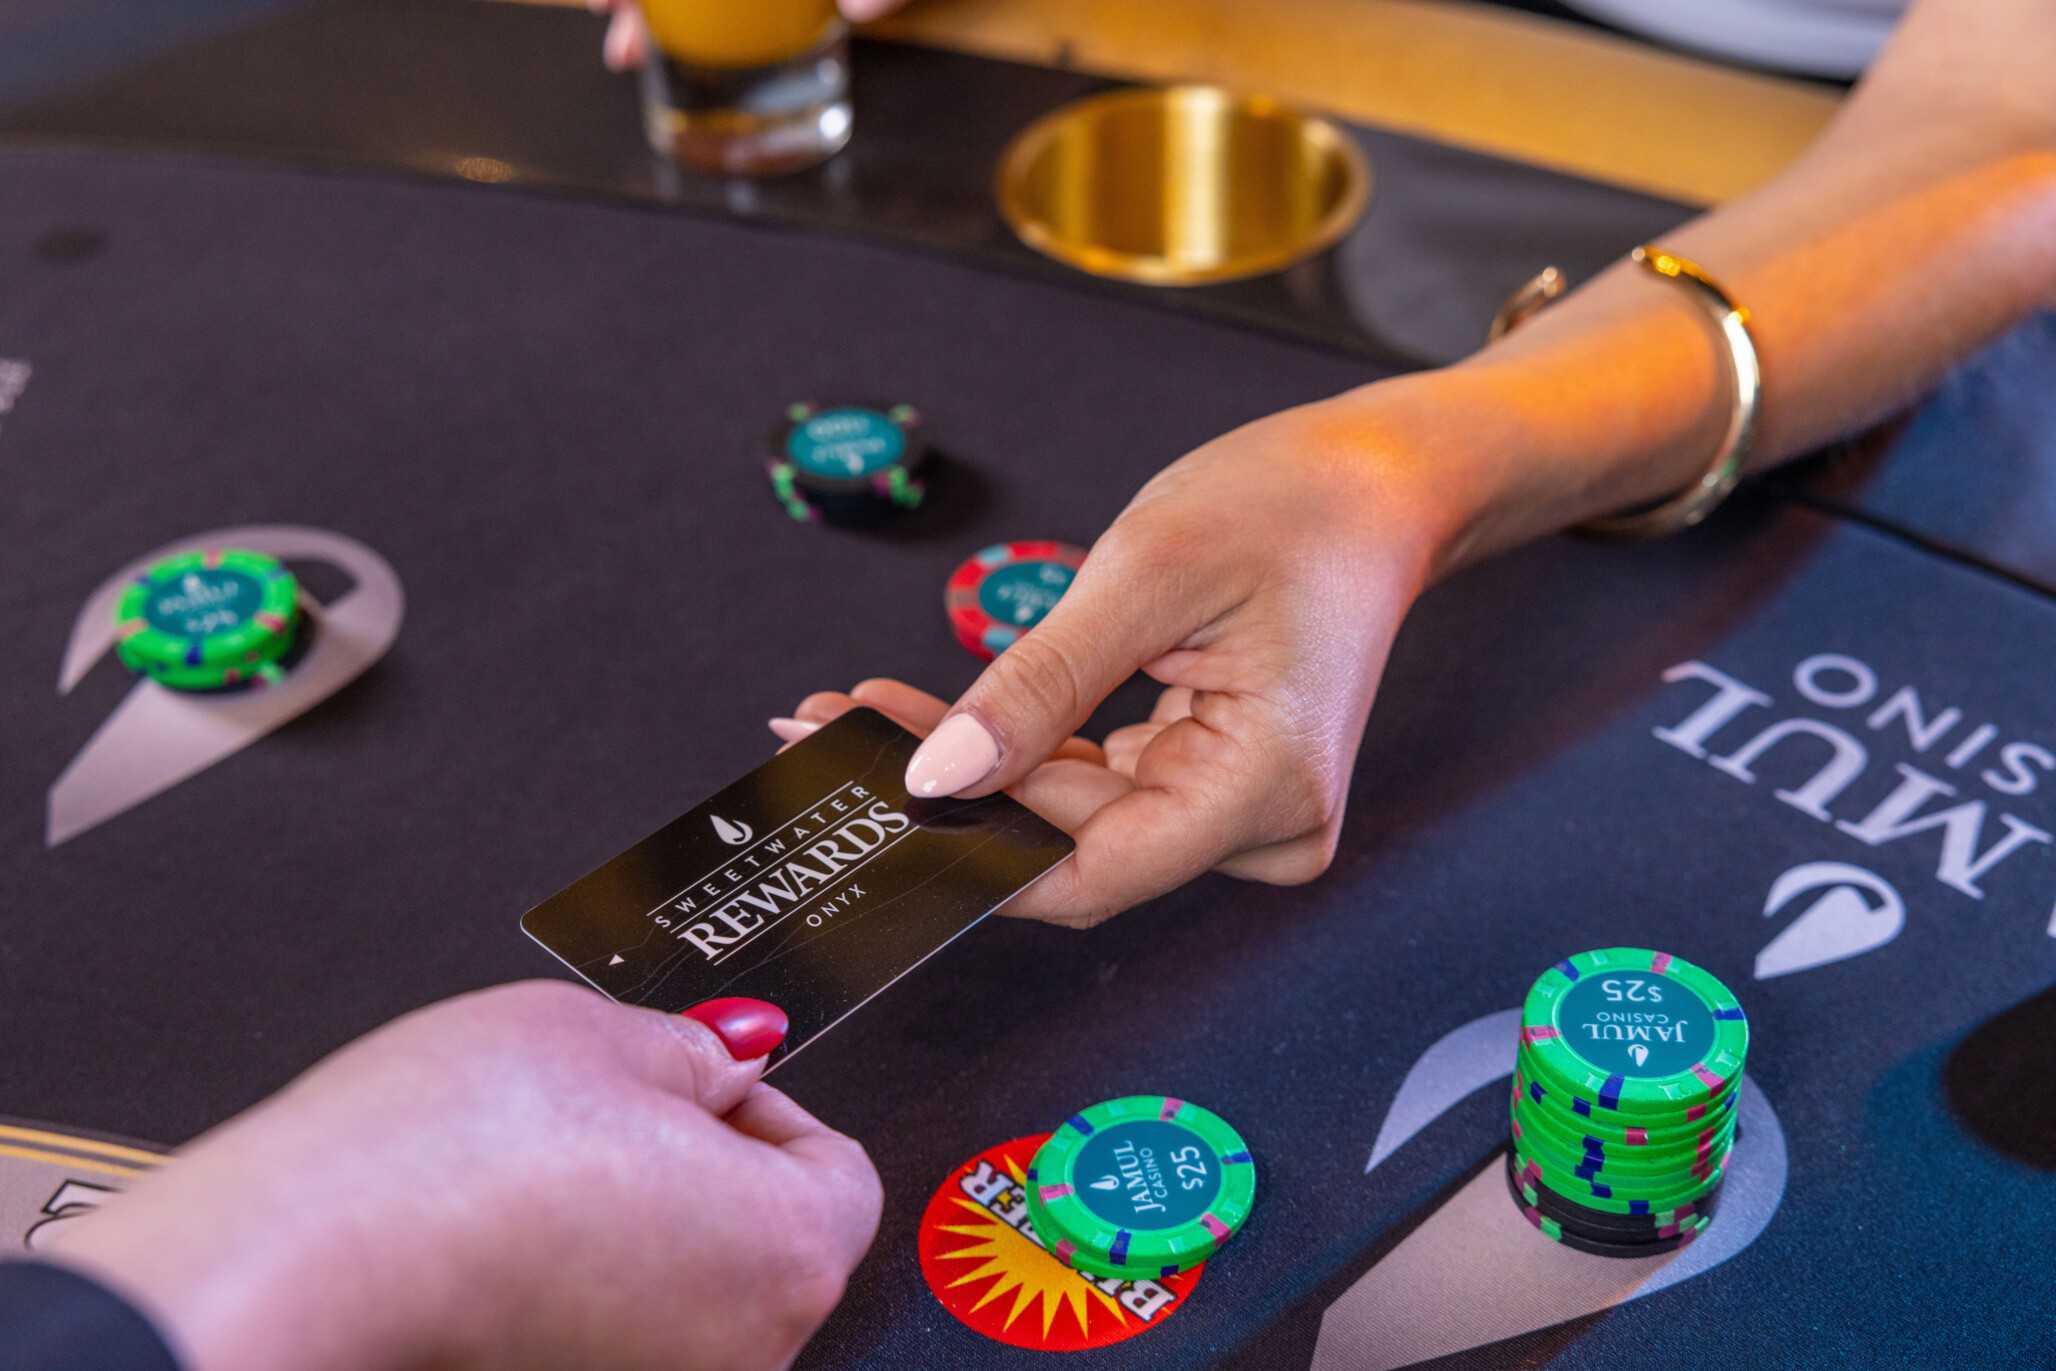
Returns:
(622, 49)
(792, 730)
(956, 757)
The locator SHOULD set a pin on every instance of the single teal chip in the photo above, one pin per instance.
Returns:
(848, 443)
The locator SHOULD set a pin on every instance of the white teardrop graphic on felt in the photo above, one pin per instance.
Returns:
(1106, 1183)
(157, 738)
(1857, 911)
(1638, 1054)
(735, 835)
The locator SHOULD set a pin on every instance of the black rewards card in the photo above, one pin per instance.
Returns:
(814, 882)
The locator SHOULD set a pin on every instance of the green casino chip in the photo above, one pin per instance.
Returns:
(1585, 1111)
(1645, 1193)
(1674, 1150)
(1693, 1203)
(1634, 1032)
(1629, 1178)
(1615, 1227)
(1582, 1115)
(1601, 1199)
(1676, 1155)
(1146, 1185)
(1625, 1168)
(1563, 1180)
(209, 620)
(1574, 1135)
(848, 464)
(1668, 1237)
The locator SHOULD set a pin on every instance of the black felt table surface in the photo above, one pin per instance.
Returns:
(545, 415)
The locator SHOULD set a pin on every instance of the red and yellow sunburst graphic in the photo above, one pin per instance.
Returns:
(983, 1262)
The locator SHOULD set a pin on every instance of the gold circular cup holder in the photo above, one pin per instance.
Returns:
(1181, 185)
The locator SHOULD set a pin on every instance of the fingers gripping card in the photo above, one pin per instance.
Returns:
(814, 883)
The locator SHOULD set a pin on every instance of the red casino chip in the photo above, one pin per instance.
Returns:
(1002, 591)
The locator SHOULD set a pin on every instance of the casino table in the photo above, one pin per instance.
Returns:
(431, 327)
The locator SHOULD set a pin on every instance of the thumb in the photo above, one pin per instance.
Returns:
(713, 1052)
(1038, 692)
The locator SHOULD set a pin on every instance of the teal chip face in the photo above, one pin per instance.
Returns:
(208, 619)
(1146, 1175)
(1148, 1183)
(203, 602)
(1022, 593)
(1636, 1024)
(846, 444)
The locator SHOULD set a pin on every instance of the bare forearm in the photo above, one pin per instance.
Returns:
(1921, 225)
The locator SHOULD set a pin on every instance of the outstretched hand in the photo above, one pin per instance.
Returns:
(1260, 580)
(527, 1177)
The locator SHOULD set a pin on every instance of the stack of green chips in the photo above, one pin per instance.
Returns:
(209, 620)
(1624, 1091)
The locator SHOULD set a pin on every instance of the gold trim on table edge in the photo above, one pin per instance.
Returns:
(72, 1161)
(89, 1146)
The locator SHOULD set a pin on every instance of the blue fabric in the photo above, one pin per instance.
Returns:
(55, 1319)
(1972, 469)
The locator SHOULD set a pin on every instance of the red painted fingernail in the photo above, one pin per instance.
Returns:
(747, 1028)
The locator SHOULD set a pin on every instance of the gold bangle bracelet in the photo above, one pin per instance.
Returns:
(1692, 504)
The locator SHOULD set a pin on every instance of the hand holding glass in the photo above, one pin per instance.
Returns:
(746, 87)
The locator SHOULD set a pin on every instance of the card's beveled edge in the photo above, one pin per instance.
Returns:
(532, 937)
